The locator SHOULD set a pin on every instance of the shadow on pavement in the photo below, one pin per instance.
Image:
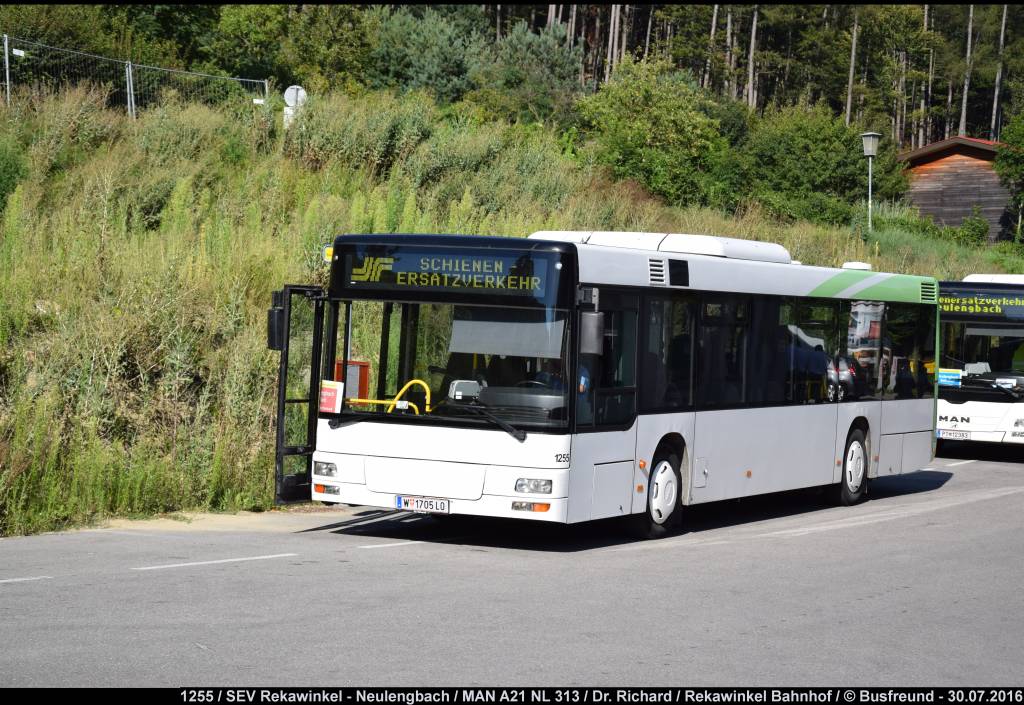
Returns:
(484, 532)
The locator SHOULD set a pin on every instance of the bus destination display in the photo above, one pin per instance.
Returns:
(979, 303)
(521, 274)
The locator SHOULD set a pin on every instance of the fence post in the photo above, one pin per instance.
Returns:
(129, 89)
(7, 73)
(266, 89)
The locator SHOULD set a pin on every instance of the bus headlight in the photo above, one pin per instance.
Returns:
(524, 484)
(325, 469)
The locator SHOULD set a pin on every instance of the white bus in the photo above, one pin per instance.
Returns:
(573, 376)
(981, 375)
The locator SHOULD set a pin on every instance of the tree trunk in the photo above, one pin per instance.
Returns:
(610, 57)
(625, 21)
(923, 108)
(902, 113)
(751, 94)
(853, 59)
(967, 74)
(999, 76)
(729, 79)
(647, 42)
(928, 94)
(572, 26)
(949, 108)
(497, 24)
(705, 80)
(551, 17)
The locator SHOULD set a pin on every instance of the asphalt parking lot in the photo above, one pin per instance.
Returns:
(921, 585)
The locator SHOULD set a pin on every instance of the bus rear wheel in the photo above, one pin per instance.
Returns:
(664, 497)
(853, 485)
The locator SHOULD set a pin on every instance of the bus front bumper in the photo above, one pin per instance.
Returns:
(485, 506)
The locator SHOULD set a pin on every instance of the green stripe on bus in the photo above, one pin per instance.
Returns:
(898, 287)
(841, 281)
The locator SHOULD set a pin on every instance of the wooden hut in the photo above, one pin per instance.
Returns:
(949, 178)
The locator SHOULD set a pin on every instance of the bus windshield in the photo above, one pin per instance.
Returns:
(981, 349)
(447, 362)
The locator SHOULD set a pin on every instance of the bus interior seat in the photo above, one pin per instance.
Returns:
(506, 371)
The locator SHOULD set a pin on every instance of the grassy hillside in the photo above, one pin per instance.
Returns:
(137, 260)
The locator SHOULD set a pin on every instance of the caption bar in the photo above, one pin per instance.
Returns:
(598, 696)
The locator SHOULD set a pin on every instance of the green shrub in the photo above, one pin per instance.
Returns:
(373, 132)
(528, 75)
(647, 126)
(815, 164)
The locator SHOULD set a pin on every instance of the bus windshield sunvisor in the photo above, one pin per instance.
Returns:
(518, 333)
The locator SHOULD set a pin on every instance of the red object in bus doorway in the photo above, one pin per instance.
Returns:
(357, 379)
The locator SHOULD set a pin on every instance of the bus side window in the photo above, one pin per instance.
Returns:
(862, 362)
(665, 372)
(722, 352)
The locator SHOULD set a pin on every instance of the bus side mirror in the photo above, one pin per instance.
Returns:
(591, 333)
(275, 323)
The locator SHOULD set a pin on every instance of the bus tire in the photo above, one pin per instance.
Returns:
(664, 509)
(853, 485)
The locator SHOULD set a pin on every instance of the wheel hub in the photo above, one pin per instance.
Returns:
(664, 492)
(854, 467)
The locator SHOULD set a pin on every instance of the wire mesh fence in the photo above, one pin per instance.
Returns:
(36, 66)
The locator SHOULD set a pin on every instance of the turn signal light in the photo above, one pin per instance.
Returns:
(530, 506)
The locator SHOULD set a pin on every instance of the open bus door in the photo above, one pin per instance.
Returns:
(295, 328)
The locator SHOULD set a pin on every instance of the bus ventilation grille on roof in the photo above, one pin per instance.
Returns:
(928, 292)
(657, 271)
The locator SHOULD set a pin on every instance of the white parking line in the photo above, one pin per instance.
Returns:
(25, 580)
(962, 462)
(223, 560)
(390, 545)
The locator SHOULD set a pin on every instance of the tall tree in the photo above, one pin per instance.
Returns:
(999, 75)
(729, 65)
(751, 74)
(706, 78)
(922, 124)
(967, 74)
(853, 59)
(647, 42)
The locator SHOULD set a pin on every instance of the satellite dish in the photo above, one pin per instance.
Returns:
(294, 96)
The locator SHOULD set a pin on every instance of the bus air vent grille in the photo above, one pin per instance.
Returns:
(928, 292)
(657, 272)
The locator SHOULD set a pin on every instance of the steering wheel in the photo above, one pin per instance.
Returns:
(531, 383)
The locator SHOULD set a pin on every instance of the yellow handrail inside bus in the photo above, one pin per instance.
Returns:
(404, 389)
(392, 402)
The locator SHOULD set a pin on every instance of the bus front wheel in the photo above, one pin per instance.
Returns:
(853, 485)
(664, 497)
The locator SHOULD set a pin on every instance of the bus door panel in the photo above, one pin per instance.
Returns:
(295, 328)
(604, 447)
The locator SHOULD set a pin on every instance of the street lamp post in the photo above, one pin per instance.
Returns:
(870, 150)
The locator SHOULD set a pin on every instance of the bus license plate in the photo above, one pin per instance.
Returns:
(955, 435)
(433, 505)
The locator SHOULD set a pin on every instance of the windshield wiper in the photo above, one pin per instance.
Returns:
(992, 385)
(508, 428)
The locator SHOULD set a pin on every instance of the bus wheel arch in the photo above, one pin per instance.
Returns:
(674, 443)
(665, 489)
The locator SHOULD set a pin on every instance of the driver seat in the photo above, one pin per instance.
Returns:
(505, 372)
